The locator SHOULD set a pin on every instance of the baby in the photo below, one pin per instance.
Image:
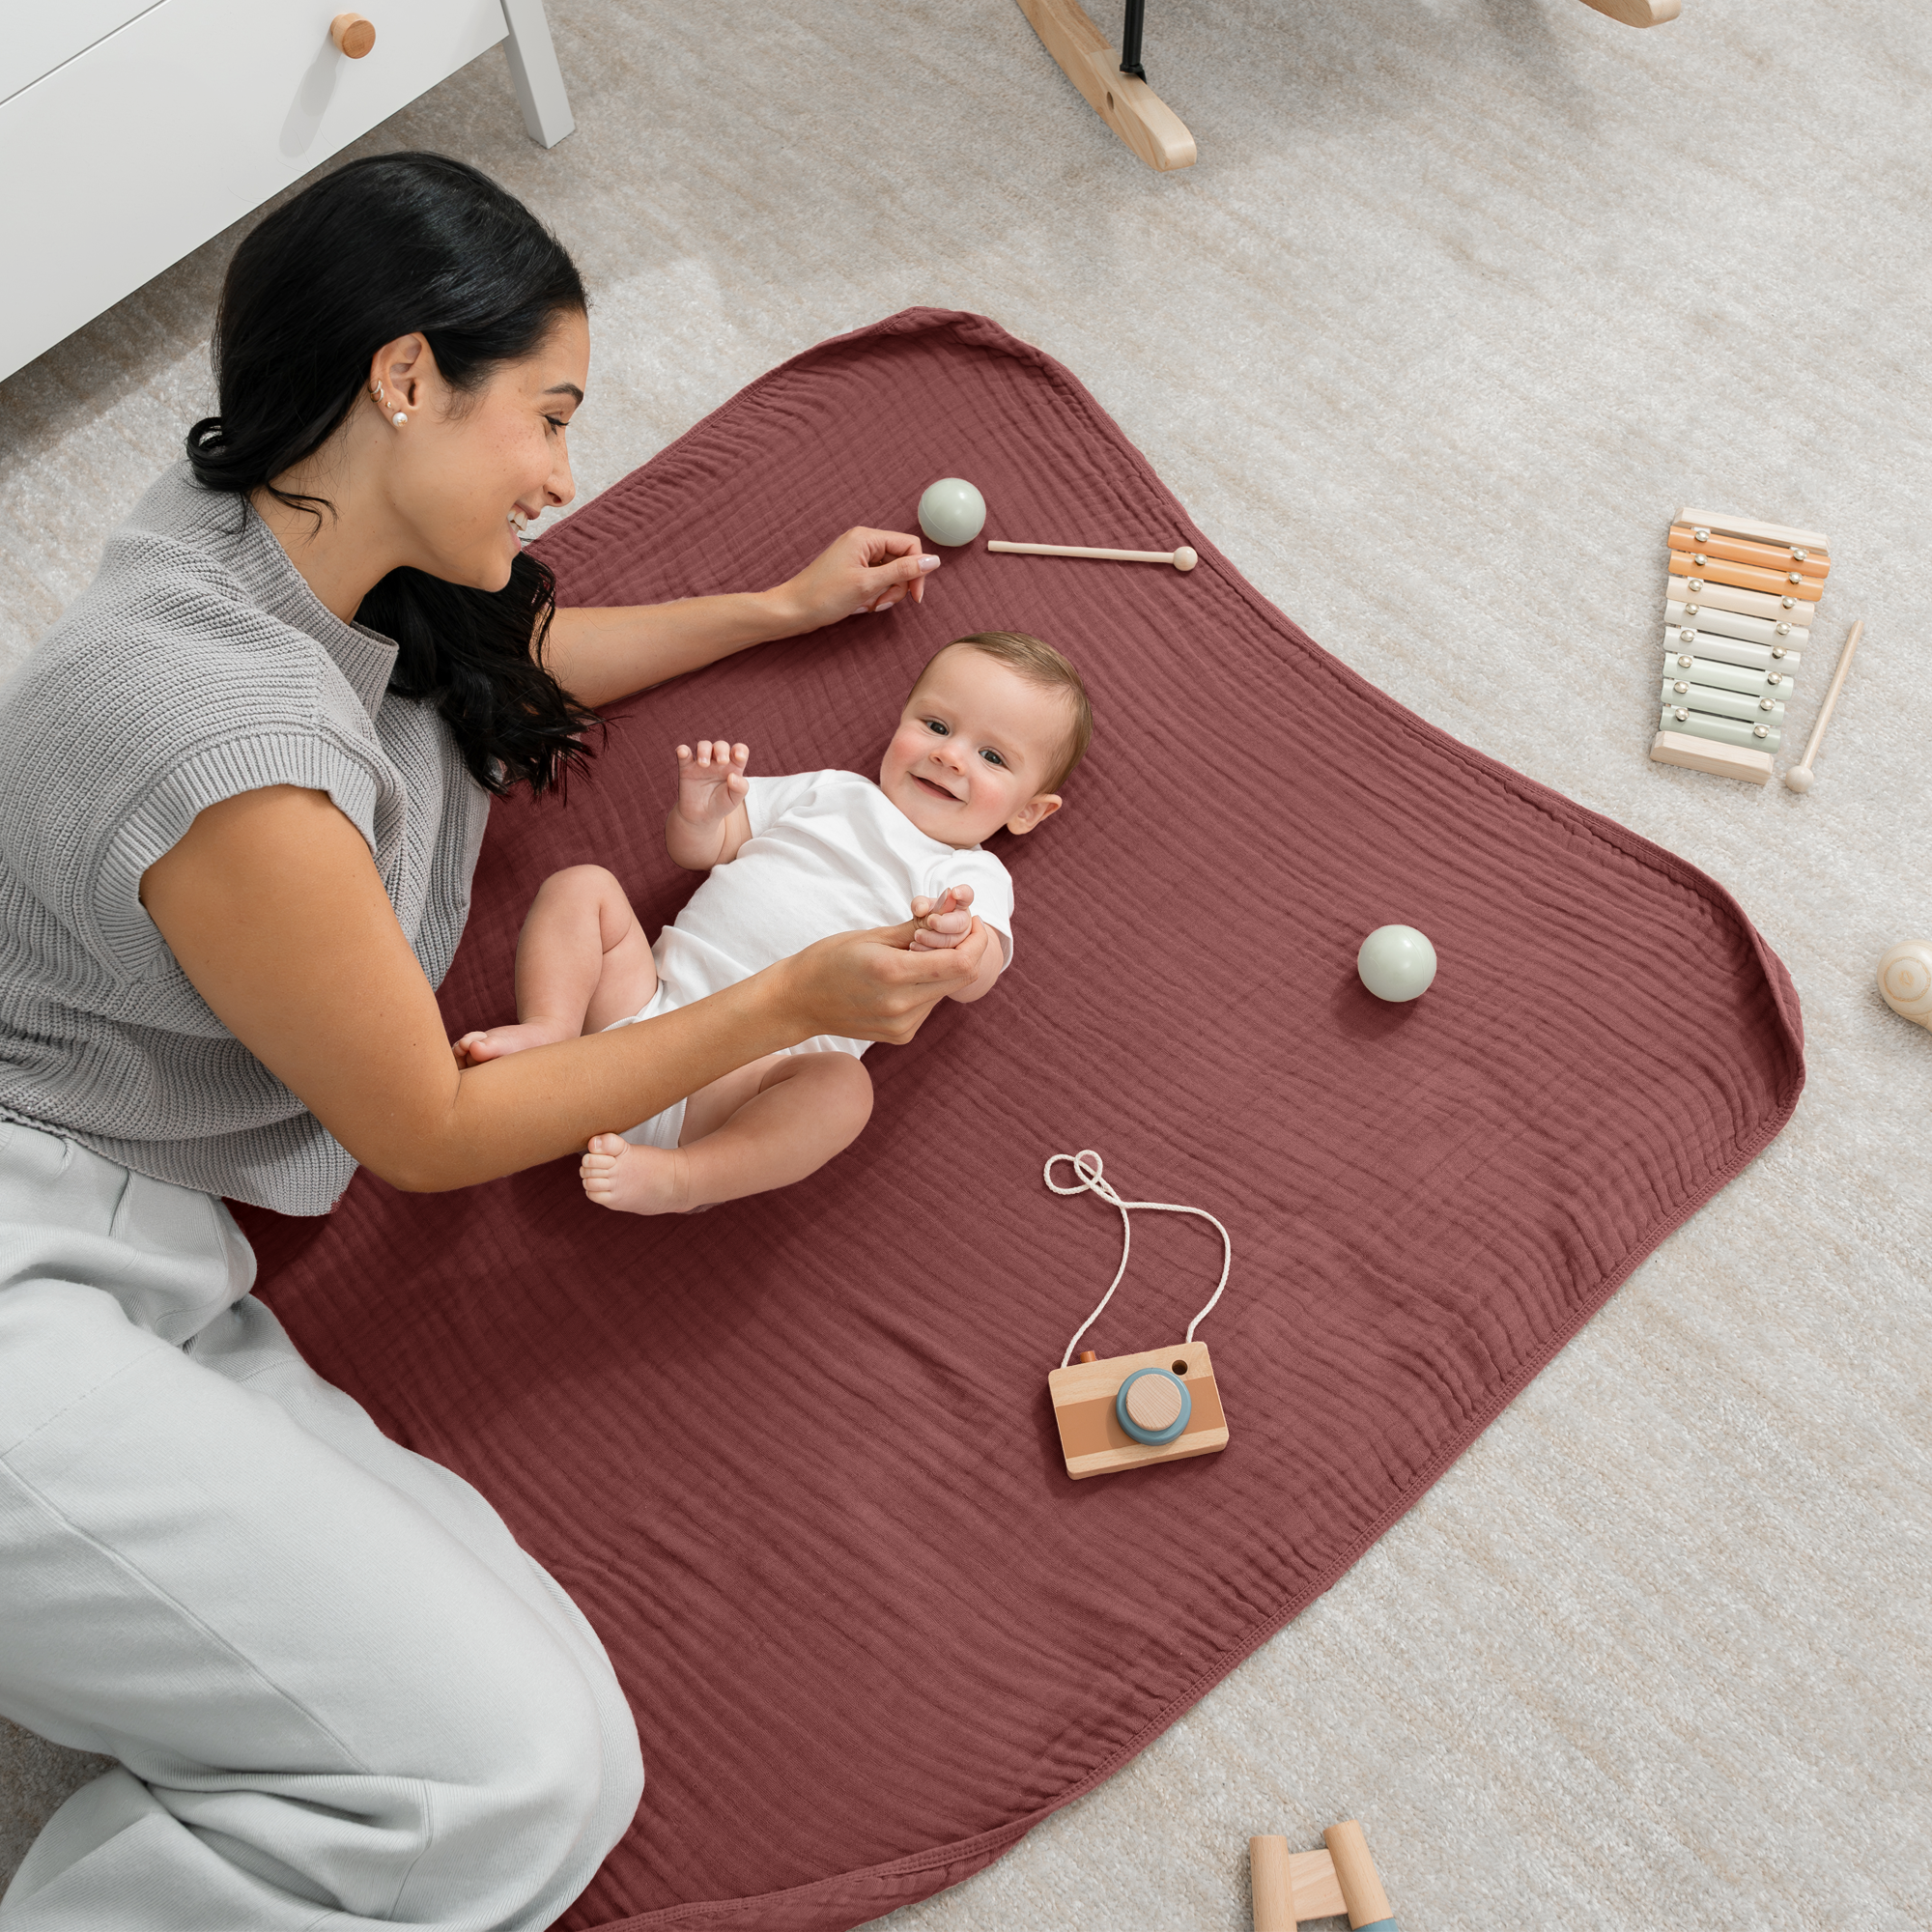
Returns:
(993, 727)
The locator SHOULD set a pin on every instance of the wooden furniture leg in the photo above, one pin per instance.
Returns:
(1127, 105)
(535, 75)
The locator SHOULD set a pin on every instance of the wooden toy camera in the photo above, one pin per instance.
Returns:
(1131, 1409)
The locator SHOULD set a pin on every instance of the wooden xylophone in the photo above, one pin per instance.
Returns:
(1736, 620)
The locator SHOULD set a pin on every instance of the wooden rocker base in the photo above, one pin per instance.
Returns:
(1141, 119)
(1130, 107)
(1638, 12)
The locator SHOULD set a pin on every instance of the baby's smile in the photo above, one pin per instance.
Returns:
(979, 738)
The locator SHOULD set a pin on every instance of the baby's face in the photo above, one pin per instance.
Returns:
(975, 746)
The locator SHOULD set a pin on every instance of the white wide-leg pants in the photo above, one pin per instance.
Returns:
(340, 1695)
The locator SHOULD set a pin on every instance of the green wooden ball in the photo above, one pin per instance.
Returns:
(952, 511)
(1396, 962)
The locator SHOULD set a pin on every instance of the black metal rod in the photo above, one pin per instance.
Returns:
(1130, 39)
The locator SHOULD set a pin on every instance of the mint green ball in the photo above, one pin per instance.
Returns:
(952, 511)
(1396, 962)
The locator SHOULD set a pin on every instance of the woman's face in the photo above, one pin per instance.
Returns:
(466, 473)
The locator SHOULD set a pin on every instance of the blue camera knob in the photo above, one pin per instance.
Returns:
(1153, 1405)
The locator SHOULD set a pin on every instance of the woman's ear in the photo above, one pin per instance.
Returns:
(404, 368)
(1036, 814)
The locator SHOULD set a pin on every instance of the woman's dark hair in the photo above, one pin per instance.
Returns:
(388, 246)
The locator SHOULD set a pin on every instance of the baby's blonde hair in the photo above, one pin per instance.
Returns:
(1039, 663)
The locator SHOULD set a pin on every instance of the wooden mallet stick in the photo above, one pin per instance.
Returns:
(1799, 776)
(1183, 559)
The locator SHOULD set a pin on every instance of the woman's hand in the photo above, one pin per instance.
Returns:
(864, 570)
(872, 985)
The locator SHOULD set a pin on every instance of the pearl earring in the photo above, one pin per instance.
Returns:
(398, 420)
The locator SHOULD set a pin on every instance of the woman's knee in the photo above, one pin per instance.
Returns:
(539, 1777)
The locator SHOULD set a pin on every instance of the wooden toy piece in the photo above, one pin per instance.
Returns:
(1780, 642)
(1799, 776)
(1362, 1895)
(1905, 980)
(1086, 1404)
(1794, 610)
(1750, 707)
(1686, 669)
(353, 34)
(1723, 525)
(1698, 541)
(1272, 1884)
(1637, 13)
(1183, 559)
(1703, 755)
(1125, 102)
(1702, 570)
(1733, 731)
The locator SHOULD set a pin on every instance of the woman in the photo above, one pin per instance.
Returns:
(247, 779)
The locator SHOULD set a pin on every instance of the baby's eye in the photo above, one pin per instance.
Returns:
(992, 757)
(934, 725)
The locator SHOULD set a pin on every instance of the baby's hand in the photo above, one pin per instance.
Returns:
(943, 922)
(711, 781)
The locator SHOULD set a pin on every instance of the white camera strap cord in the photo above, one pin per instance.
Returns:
(1087, 1164)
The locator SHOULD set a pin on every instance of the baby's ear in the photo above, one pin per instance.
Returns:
(1035, 814)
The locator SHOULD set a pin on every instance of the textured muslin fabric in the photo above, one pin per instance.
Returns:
(336, 1687)
(796, 1456)
(197, 664)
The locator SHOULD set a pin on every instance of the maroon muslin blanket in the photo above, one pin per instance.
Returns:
(795, 1457)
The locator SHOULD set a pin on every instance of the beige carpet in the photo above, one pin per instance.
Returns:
(1463, 298)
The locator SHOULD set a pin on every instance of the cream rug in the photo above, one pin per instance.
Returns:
(1462, 299)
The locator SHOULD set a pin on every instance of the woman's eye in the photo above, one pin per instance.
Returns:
(556, 424)
(992, 757)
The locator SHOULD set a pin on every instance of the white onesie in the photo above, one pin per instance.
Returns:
(829, 852)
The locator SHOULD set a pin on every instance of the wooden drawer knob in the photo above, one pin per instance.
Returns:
(353, 34)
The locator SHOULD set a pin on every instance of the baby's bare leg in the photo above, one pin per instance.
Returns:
(764, 1127)
(583, 962)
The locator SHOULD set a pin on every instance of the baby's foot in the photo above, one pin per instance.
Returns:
(474, 1048)
(635, 1180)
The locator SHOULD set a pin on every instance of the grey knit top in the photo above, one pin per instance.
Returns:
(197, 664)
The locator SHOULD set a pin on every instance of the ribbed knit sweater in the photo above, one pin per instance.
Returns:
(198, 664)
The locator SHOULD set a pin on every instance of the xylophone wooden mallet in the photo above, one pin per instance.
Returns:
(1183, 559)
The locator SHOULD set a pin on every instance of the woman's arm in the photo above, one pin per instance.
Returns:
(274, 910)
(602, 654)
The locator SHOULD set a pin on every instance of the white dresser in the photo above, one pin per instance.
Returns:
(132, 131)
